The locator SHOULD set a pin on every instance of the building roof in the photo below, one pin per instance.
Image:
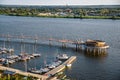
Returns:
(94, 41)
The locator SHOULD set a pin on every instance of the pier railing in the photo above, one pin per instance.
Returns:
(36, 39)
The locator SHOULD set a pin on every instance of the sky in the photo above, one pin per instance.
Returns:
(60, 2)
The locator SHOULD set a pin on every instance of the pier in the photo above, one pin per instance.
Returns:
(61, 67)
(92, 47)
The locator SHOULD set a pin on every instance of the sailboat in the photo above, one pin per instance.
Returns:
(22, 55)
(35, 54)
(3, 49)
(9, 50)
(34, 70)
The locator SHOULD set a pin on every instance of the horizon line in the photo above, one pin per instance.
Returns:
(62, 5)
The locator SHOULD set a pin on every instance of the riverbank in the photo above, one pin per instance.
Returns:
(63, 12)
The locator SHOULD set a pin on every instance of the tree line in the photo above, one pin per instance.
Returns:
(63, 12)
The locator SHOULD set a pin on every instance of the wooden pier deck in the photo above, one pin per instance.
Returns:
(61, 67)
(41, 77)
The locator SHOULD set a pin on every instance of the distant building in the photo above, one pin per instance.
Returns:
(62, 14)
(47, 14)
(44, 14)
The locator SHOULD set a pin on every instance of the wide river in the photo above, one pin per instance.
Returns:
(85, 67)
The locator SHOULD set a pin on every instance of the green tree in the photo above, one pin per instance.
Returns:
(104, 12)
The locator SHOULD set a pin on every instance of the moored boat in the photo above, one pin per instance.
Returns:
(34, 70)
(68, 65)
(51, 66)
(62, 57)
(6, 62)
(12, 57)
(44, 70)
(2, 59)
(36, 55)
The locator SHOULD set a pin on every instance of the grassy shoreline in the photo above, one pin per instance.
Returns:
(73, 17)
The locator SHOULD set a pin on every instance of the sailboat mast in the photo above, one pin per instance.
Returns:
(21, 43)
(36, 38)
(4, 44)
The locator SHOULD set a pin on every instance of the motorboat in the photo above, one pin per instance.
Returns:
(51, 66)
(11, 61)
(6, 62)
(56, 63)
(2, 59)
(12, 57)
(36, 55)
(68, 65)
(62, 57)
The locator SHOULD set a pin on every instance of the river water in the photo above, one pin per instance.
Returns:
(85, 67)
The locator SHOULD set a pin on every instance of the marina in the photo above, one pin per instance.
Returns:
(87, 66)
(48, 74)
(91, 47)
